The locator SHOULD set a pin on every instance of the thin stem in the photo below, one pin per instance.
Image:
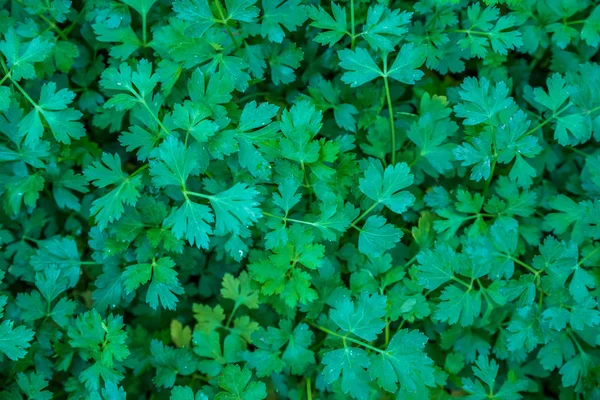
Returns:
(489, 180)
(553, 117)
(144, 37)
(391, 112)
(80, 15)
(353, 37)
(235, 307)
(468, 32)
(387, 332)
(286, 219)
(304, 174)
(7, 76)
(412, 260)
(581, 153)
(205, 196)
(346, 338)
(540, 125)
(52, 25)
(584, 259)
(465, 284)
(36, 241)
(572, 336)
(23, 92)
(139, 170)
(224, 21)
(251, 96)
(527, 266)
(308, 389)
(364, 214)
(155, 117)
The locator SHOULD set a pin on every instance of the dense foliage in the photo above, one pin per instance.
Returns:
(249, 199)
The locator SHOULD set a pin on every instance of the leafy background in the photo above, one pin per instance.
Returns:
(245, 199)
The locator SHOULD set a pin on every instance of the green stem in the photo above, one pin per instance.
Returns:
(387, 332)
(198, 194)
(53, 26)
(526, 266)
(251, 96)
(139, 170)
(87, 263)
(36, 241)
(553, 117)
(581, 153)
(286, 219)
(24, 93)
(308, 389)
(144, 38)
(391, 112)
(346, 338)
(584, 259)
(235, 307)
(465, 284)
(224, 21)
(7, 76)
(364, 214)
(353, 37)
(468, 32)
(489, 180)
(572, 336)
(80, 15)
(305, 175)
(155, 117)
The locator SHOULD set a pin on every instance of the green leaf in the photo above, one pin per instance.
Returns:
(362, 318)
(458, 305)
(478, 154)
(384, 28)
(170, 363)
(406, 66)
(281, 347)
(239, 290)
(163, 287)
(437, 266)
(14, 342)
(53, 107)
(173, 165)
(141, 6)
(334, 24)
(385, 186)
(236, 384)
(276, 14)
(186, 393)
(191, 221)
(404, 364)
(361, 67)
(110, 207)
(128, 41)
(33, 385)
(22, 57)
(235, 209)
(481, 101)
(197, 12)
(350, 363)
(572, 128)
(430, 133)
(102, 341)
(377, 236)
(483, 21)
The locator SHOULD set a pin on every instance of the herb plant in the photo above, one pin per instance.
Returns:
(299, 199)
